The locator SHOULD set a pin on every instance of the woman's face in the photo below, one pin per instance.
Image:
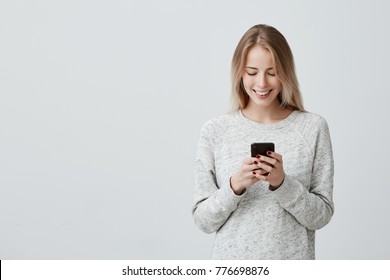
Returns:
(259, 77)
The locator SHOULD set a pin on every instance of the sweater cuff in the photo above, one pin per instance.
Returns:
(228, 199)
(289, 192)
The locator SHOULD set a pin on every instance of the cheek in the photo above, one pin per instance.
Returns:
(277, 84)
(248, 82)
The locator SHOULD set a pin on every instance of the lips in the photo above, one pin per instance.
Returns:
(262, 93)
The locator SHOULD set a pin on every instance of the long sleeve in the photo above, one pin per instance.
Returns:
(212, 204)
(313, 208)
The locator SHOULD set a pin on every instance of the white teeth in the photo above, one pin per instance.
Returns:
(262, 93)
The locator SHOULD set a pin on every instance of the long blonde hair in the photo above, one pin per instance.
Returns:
(271, 39)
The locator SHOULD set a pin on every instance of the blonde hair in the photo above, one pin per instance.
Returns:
(271, 39)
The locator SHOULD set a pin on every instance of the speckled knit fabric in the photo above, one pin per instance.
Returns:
(264, 224)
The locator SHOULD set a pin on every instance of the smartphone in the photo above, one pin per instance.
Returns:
(261, 148)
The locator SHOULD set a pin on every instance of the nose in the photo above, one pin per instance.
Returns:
(261, 81)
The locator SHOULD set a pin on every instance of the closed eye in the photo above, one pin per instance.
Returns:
(251, 74)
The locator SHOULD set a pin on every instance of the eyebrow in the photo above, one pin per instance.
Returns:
(254, 68)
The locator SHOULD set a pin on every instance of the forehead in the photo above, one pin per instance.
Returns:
(259, 57)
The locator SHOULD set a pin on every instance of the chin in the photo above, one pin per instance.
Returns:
(265, 102)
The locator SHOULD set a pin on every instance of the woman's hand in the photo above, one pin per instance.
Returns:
(273, 165)
(246, 176)
(261, 168)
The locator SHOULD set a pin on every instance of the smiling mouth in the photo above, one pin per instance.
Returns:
(262, 93)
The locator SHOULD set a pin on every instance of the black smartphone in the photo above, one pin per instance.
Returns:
(261, 148)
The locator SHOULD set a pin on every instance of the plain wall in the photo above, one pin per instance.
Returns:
(101, 104)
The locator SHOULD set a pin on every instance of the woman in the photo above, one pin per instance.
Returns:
(264, 207)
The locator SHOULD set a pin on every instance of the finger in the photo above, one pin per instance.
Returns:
(249, 168)
(261, 177)
(254, 178)
(265, 167)
(249, 160)
(266, 177)
(266, 163)
(269, 160)
(274, 155)
(250, 164)
(262, 172)
(253, 173)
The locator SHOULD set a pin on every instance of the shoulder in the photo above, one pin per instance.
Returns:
(313, 128)
(218, 125)
(308, 121)
(213, 130)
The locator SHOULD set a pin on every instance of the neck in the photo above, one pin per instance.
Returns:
(266, 115)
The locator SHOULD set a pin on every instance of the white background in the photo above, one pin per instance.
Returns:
(101, 103)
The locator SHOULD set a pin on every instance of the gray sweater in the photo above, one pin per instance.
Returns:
(264, 224)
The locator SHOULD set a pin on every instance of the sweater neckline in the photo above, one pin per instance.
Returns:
(269, 126)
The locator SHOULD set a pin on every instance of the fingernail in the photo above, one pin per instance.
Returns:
(254, 173)
(258, 156)
(269, 153)
(255, 162)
